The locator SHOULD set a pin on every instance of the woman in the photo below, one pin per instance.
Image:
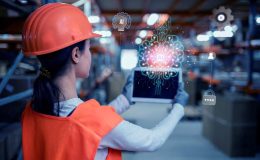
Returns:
(56, 124)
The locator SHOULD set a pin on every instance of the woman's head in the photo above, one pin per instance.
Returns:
(74, 60)
(81, 60)
(50, 33)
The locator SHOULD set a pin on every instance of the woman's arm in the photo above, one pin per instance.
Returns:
(130, 137)
(120, 104)
(123, 101)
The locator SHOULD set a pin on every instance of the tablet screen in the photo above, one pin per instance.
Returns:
(144, 87)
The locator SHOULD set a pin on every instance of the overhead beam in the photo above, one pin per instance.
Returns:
(11, 25)
(133, 32)
(196, 6)
(172, 13)
(137, 24)
(146, 5)
(173, 5)
(229, 3)
(48, 1)
(121, 5)
(11, 5)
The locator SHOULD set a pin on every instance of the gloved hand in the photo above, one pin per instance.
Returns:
(128, 87)
(182, 96)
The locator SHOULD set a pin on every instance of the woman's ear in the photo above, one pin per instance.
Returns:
(75, 56)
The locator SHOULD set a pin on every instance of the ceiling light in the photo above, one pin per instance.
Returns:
(257, 19)
(228, 28)
(153, 18)
(203, 37)
(234, 28)
(129, 59)
(94, 19)
(138, 40)
(142, 33)
(104, 40)
(104, 33)
(223, 34)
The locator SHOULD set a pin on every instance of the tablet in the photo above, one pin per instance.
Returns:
(155, 85)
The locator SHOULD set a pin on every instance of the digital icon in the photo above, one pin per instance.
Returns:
(222, 17)
(121, 21)
(162, 50)
(212, 56)
(209, 98)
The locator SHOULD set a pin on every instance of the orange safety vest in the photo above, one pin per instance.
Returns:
(76, 137)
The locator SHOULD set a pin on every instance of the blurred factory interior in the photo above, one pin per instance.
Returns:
(230, 129)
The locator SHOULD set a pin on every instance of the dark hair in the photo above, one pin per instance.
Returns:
(45, 91)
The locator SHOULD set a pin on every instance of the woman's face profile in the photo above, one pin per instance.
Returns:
(84, 62)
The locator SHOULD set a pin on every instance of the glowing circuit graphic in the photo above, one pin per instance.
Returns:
(160, 53)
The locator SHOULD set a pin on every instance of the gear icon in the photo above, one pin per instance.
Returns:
(222, 17)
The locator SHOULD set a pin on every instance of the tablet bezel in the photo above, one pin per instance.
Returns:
(155, 100)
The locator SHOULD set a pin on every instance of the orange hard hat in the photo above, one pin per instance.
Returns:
(55, 26)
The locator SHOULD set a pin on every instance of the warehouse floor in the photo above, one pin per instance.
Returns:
(185, 143)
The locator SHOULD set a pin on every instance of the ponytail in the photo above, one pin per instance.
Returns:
(45, 92)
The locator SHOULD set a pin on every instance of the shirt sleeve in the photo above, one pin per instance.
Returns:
(131, 137)
(120, 104)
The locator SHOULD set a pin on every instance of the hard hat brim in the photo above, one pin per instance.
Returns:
(93, 35)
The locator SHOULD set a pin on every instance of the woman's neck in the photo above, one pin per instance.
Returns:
(67, 86)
